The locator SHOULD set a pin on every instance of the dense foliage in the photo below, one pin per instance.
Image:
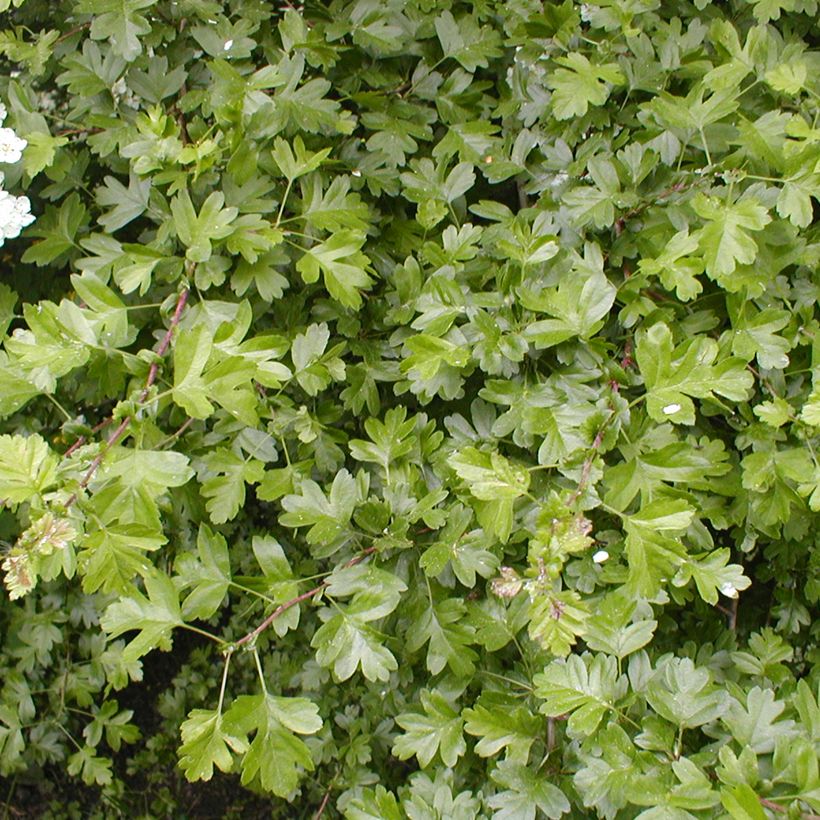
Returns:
(438, 381)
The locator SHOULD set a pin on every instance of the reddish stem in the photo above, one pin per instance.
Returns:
(122, 427)
(298, 599)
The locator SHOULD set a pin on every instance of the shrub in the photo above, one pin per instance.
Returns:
(439, 382)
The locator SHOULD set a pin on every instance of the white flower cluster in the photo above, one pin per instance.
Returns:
(15, 211)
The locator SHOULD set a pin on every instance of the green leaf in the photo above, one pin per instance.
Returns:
(119, 22)
(205, 744)
(191, 353)
(653, 547)
(580, 84)
(298, 164)
(126, 203)
(198, 231)
(557, 620)
(328, 516)
(438, 729)
(610, 630)
(579, 304)
(742, 802)
(58, 229)
(276, 757)
(674, 374)
(224, 476)
(374, 804)
(501, 724)
(466, 41)
(713, 573)
(94, 770)
(684, 695)
(756, 726)
(342, 264)
(725, 240)
(490, 475)
(587, 686)
(208, 572)
(347, 643)
(525, 794)
(448, 638)
(27, 467)
(40, 151)
(154, 616)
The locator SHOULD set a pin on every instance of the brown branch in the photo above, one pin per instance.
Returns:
(82, 439)
(122, 427)
(71, 32)
(323, 804)
(586, 470)
(297, 600)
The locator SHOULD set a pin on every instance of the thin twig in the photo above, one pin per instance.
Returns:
(72, 31)
(122, 427)
(82, 439)
(323, 804)
(586, 469)
(298, 599)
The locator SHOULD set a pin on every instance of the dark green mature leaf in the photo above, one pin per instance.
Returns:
(438, 729)
(208, 572)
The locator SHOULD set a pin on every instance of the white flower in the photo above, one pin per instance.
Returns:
(15, 214)
(600, 556)
(228, 45)
(3, 113)
(11, 146)
(671, 409)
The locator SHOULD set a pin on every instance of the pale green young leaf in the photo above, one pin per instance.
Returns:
(154, 616)
(27, 467)
(490, 476)
(346, 643)
(374, 804)
(197, 231)
(276, 756)
(713, 573)
(328, 516)
(585, 686)
(557, 620)
(206, 743)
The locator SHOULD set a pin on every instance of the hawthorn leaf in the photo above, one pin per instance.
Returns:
(206, 743)
(154, 616)
(438, 729)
